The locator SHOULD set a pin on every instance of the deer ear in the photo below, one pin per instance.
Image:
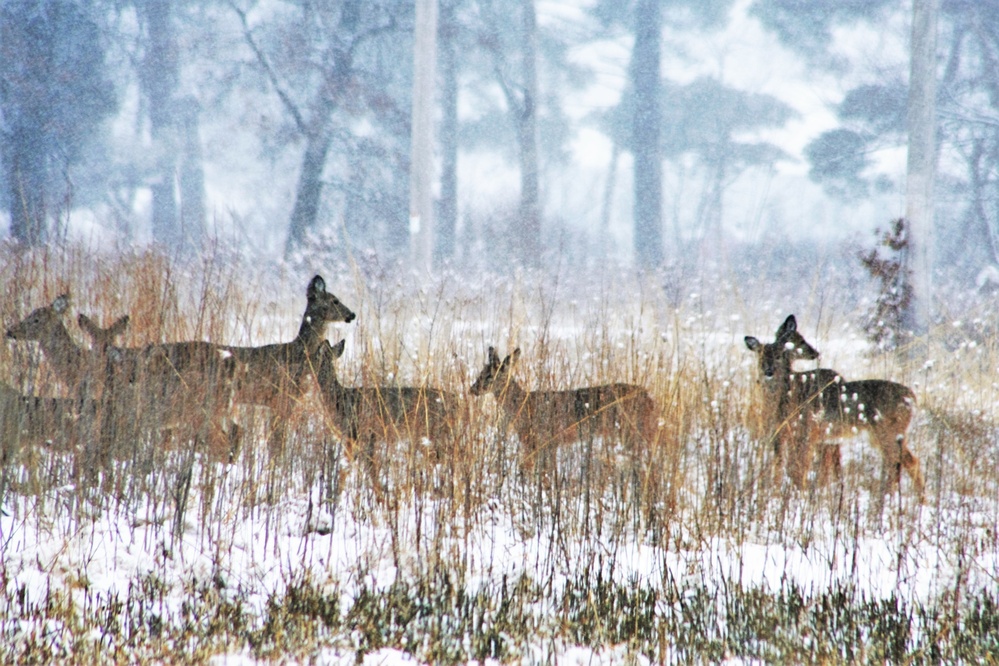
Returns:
(493, 356)
(515, 355)
(119, 326)
(338, 348)
(752, 343)
(61, 304)
(789, 326)
(316, 286)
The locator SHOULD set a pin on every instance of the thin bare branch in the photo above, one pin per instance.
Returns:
(285, 98)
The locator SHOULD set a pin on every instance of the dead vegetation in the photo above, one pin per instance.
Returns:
(704, 478)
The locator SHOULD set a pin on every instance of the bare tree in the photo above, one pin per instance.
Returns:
(177, 225)
(421, 159)
(447, 212)
(646, 84)
(331, 64)
(54, 95)
(921, 167)
(516, 71)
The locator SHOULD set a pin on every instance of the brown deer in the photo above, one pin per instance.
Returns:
(807, 408)
(275, 376)
(27, 420)
(138, 390)
(545, 419)
(175, 387)
(384, 413)
(75, 366)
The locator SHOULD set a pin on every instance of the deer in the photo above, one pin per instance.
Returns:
(75, 366)
(384, 413)
(191, 380)
(275, 376)
(27, 420)
(546, 419)
(808, 408)
(142, 388)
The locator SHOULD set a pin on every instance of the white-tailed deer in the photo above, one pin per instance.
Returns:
(193, 381)
(545, 419)
(27, 421)
(277, 375)
(75, 366)
(273, 376)
(384, 413)
(138, 390)
(807, 408)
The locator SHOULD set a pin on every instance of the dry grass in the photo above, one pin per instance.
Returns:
(710, 479)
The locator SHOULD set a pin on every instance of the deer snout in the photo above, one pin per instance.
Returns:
(350, 317)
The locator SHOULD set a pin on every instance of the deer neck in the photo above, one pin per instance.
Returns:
(311, 333)
(511, 396)
(327, 379)
(333, 386)
(62, 352)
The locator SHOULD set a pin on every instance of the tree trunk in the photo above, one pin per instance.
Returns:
(160, 73)
(310, 188)
(421, 161)
(710, 208)
(645, 82)
(604, 242)
(921, 167)
(527, 138)
(27, 45)
(447, 219)
(192, 180)
(27, 183)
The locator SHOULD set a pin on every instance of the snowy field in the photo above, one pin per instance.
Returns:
(695, 551)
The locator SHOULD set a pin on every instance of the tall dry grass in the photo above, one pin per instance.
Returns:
(711, 476)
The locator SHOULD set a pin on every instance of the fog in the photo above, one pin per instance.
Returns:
(283, 128)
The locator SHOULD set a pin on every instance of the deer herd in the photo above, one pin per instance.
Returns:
(189, 391)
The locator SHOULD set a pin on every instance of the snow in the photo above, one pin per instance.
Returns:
(258, 552)
(70, 538)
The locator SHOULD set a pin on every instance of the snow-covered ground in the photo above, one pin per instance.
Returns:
(250, 530)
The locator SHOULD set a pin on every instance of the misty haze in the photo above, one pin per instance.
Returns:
(482, 331)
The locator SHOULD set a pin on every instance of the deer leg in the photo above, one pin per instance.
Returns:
(278, 434)
(778, 464)
(797, 469)
(528, 451)
(891, 468)
(891, 457)
(910, 463)
(832, 463)
(800, 459)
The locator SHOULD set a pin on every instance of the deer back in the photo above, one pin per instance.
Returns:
(541, 417)
(383, 412)
(175, 372)
(847, 407)
(606, 411)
